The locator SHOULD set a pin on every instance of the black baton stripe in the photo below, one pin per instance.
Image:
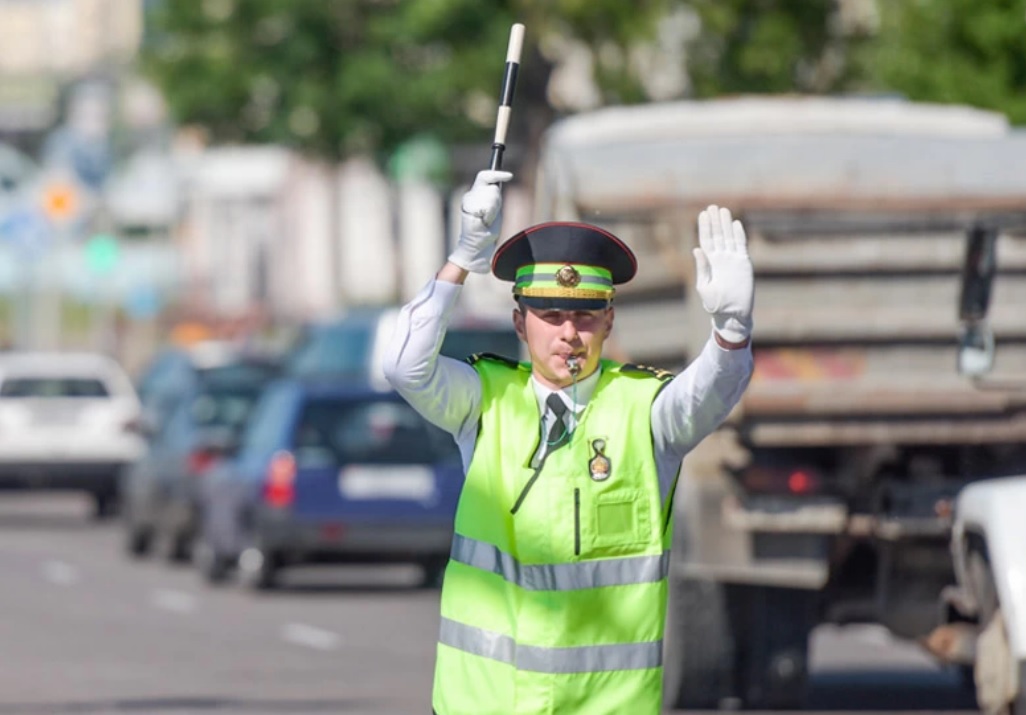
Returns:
(496, 161)
(509, 84)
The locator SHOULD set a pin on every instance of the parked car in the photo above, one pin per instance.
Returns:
(330, 473)
(351, 346)
(66, 423)
(175, 370)
(209, 409)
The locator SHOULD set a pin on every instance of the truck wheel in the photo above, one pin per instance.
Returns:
(773, 626)
(698, 646)
(105, 505)
(993, 672)
(432, 572)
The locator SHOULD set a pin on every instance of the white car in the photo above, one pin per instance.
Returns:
(67, 422)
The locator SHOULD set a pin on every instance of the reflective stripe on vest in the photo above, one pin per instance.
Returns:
(583, 659)
(560, 577)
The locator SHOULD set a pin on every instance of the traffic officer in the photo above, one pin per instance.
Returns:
(554, 597)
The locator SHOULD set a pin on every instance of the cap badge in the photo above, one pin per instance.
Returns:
(568, 277)
(599, 466)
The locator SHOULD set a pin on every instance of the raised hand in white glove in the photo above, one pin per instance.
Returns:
(725, 280)
(480, 221)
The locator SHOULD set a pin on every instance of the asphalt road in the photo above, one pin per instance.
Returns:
(86, 630)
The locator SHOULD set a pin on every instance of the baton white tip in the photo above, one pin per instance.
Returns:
(516, 43)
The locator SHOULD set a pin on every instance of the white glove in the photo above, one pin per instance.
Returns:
(725, 280)
(480, 221)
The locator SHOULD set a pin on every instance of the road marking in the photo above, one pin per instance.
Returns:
(176, 601)
(60, 573)
(309, 636)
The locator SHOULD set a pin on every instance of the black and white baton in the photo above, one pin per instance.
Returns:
(509, 85)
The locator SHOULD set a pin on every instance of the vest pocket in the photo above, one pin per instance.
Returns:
(619, 522)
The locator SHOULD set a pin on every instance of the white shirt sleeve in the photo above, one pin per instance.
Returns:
(697, 400)
(445, 391)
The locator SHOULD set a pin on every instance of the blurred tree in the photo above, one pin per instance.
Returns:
(336, 77)
(952, 51)
(772, 46)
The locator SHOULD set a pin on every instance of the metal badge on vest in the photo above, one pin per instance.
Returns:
(599, 466)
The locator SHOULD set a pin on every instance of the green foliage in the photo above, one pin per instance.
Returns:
(949, 51)
(333, 77)
(962, 51)
(768, 46)
(327, 77)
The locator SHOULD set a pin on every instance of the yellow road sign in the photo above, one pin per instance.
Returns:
(60, 201)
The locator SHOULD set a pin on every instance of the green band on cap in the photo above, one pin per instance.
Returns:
(553, 268)
(564, 280)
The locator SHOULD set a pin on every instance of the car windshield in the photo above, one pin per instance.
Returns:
(240, 372)
(368, 432)
(224, 407)
(50, 387)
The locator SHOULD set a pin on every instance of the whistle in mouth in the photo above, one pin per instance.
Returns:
(573, 364)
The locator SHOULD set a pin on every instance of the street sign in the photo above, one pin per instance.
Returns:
(60, 201)
(102, 253)
(27, 231)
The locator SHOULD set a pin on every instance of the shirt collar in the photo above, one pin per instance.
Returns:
(584, 390)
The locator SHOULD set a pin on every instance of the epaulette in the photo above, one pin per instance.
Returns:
(664, 375)
(510, 362)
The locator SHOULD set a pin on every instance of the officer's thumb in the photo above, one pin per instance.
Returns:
(492, 176)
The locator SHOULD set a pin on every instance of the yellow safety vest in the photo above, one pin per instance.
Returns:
(554, 598)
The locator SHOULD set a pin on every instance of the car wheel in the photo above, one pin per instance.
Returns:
(175, 547)
(258, 570)
(213, 566)
(138, 540)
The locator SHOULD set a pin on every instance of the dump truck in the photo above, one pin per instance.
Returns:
(828, 495)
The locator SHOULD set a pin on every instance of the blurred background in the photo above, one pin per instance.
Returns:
(210, 211)
(172, 171)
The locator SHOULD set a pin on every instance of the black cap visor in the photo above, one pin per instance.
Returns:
(564, 303)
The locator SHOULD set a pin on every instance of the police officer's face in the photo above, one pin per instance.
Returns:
(554, 335)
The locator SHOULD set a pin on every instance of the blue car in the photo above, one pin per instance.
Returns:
(330, 473)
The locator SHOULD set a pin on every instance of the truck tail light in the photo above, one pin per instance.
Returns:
(280, 483)
(799, 481)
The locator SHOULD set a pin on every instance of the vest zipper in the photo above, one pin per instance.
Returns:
(577, 522)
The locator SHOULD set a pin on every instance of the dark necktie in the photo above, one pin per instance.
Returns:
(559, 434)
